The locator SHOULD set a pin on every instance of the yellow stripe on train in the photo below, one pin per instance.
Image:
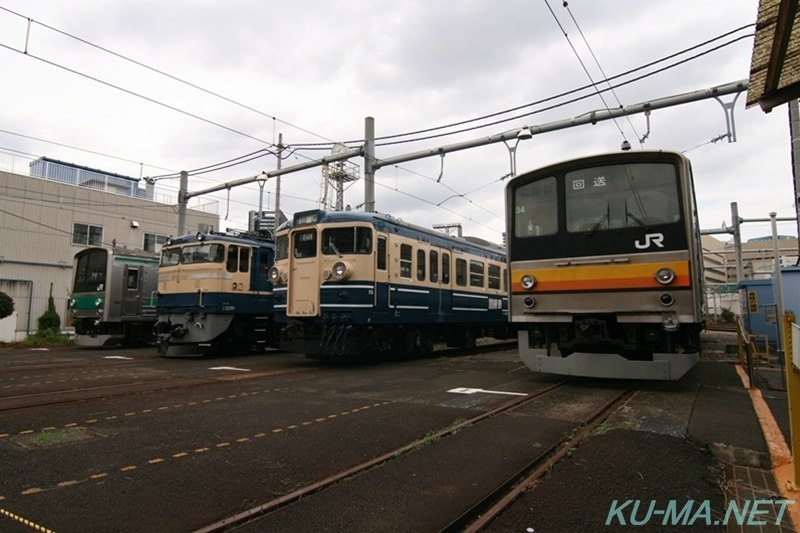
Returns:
(602, 277)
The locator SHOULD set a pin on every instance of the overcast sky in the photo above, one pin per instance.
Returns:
(313, 70)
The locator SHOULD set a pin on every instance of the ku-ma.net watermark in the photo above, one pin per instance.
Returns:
(697, 513)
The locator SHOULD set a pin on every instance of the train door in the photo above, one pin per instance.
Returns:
(445, 284)
(382, 274)
(259, 279)
(130, 299)
(148, 283)
(304, 282)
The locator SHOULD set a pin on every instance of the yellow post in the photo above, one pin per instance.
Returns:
(791, 338)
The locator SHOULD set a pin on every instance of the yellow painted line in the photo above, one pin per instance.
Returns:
(26, 432)
(71, 425)
(223, 444)
(155, 461)
(293, 426)
(278, 430)
(178, 405)
(111, 417)
(243, 439)
(147, 411)
(4, 435)
(345, 413)
(366, 407)
(244, 394)
(26, 522)
(307, 423)
(181, 454)
(127, 468)
(103, 474)
(35, 490)
(163, 408)
(332, 416)
(92, 421)
(192, 403)
(67, 483)
(232, 396)
(254, 393)
(209, 401)
(51, 428)
(220, 398)
(259, 435)
(201, 450)
(129, 414)
(320, 419)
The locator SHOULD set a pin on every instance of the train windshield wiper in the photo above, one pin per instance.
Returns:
(633, 217)
(333, 247)
(598, 224)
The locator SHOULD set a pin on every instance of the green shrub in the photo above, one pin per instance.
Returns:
(50, 319)
(46, 337)
(727, 316)
(6, 305)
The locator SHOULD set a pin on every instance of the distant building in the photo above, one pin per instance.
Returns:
(49, 210)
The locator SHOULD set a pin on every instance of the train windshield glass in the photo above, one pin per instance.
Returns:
(536, 208)
(170, 256)
(281, 247)
(341, 241)
(621, 196)
(203, 253)
(305, 244)
(90, 272)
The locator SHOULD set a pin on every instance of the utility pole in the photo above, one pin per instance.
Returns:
(182, 201)
(278, 186)
(369, 161)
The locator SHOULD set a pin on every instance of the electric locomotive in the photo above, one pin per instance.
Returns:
(358, 286)
(606, 266)
(113, 296)
(214, 293)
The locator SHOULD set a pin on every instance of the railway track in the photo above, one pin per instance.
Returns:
(480, 513)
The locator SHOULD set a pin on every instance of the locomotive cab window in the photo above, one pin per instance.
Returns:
(244, 259)
(170, 256)
(282, 247)
(202, 253)
(305, 244)
(405, 261)
(621, 196)
(232, 264)
(536, 208)
(340, 241)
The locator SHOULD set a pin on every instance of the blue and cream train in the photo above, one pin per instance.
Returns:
(214, 294)
(355, 285)
(606, 266)
(113, 298)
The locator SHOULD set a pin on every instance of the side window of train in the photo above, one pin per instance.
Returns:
(421, 265)
(461, 272)
(231, 263)
(434, 261)
(381, 253)
(446, 269)
(244, 259)
(476, 273)
(494, 277)
(405, 261)
(133, 279)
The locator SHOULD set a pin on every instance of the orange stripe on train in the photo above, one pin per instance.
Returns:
(602, 277)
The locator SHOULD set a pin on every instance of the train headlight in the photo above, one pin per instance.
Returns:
(274, 274)
(341, 271)
(527, 282)
(71, 304)
(529, 302)
(665, 276)
(98, 302)
(199, 236)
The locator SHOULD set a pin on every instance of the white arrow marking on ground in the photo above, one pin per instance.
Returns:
(117, 357)
(464, 390)
(230, 368)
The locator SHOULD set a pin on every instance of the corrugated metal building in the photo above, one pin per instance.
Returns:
(45, 220)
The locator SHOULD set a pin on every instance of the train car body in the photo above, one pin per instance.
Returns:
(113, 296)
(605, 266)
(360, 286)
(215, 295)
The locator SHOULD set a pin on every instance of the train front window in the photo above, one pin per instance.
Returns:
(536, 208)
(305, 244)
(202, 253)
(281, 247)
(170, 256)
(621, 196)
(90, 272)
(341, 241)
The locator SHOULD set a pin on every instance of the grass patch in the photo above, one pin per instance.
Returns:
(41, 339)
